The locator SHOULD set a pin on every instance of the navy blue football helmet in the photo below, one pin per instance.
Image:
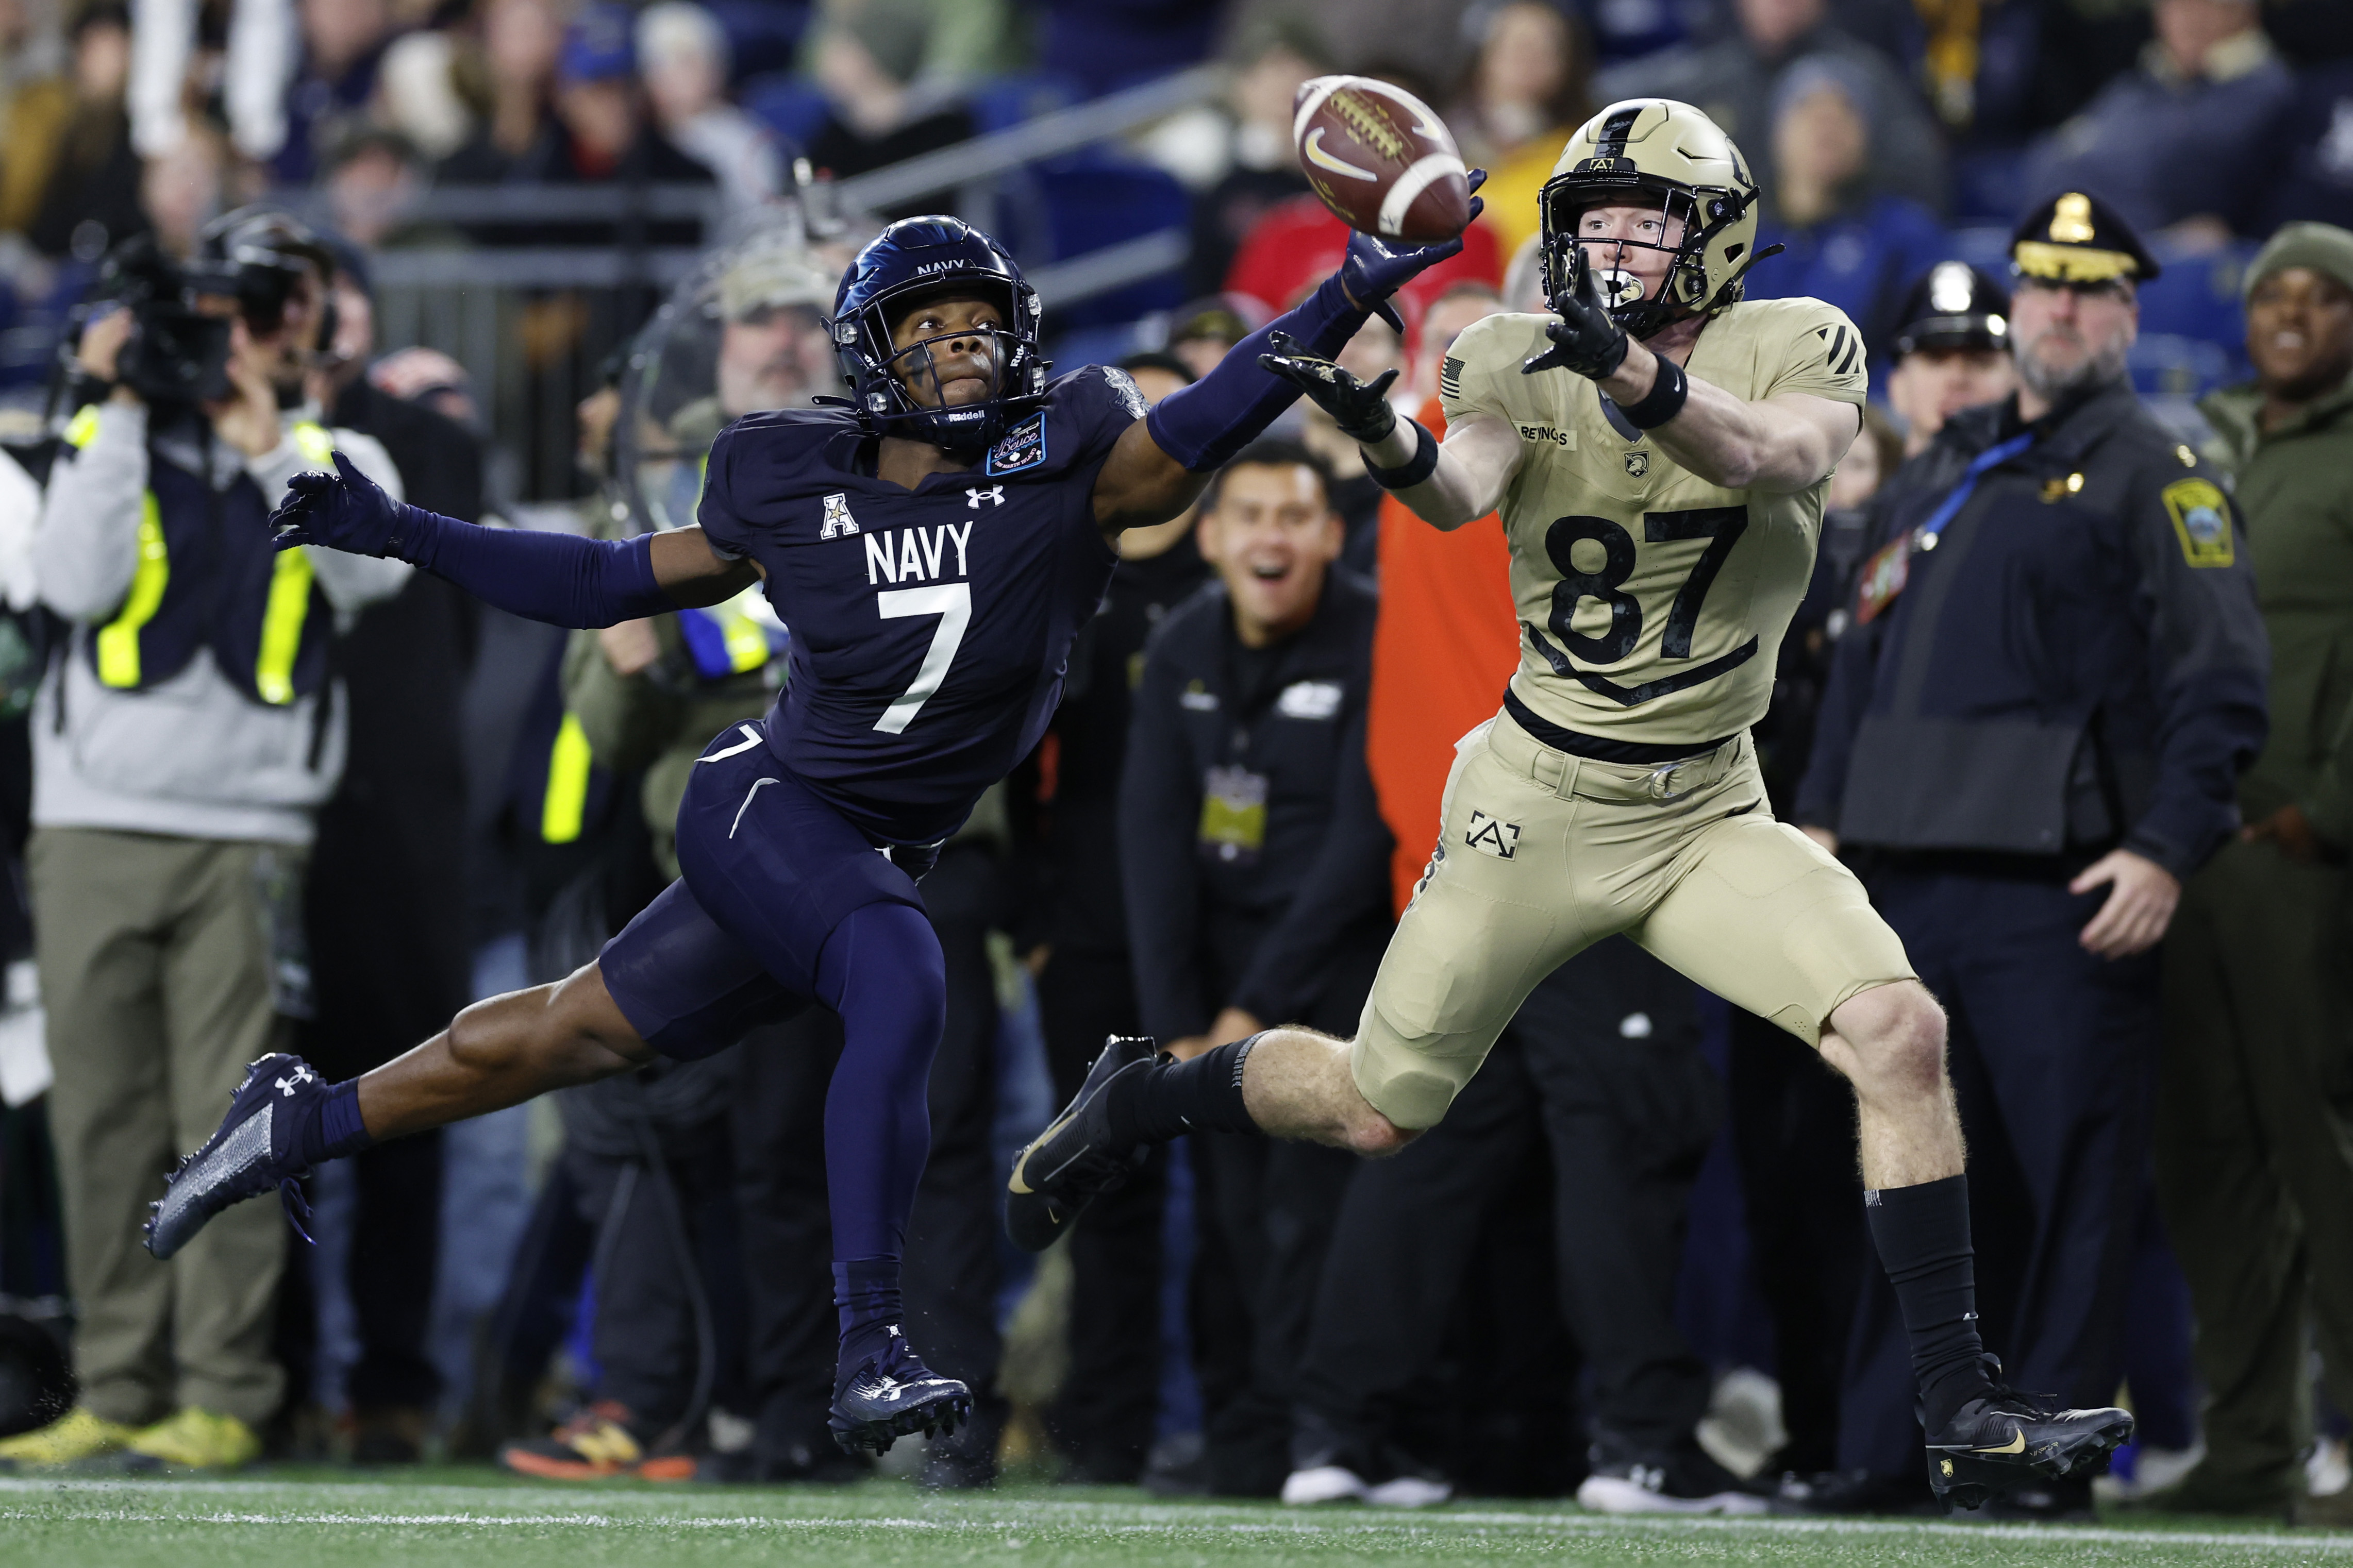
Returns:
(919, 256)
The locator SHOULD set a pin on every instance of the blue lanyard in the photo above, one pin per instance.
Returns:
(1924, 536)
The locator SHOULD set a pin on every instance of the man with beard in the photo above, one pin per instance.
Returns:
(2037, 729)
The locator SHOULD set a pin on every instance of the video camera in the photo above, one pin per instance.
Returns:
(179, 346)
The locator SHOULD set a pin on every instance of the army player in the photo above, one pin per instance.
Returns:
(1660, 453)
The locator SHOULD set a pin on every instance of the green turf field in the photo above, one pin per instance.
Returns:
(467, 1518)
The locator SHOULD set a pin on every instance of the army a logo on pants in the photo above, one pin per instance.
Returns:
(1491, 835)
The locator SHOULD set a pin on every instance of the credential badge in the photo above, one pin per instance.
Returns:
(837, 521)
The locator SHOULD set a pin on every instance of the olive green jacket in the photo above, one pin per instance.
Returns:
(2295, 490)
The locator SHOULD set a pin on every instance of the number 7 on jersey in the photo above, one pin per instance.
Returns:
(952, 602)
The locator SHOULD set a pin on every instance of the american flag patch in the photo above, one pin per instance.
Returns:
(1449, 377)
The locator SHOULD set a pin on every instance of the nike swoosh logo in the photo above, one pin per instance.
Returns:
(1323, 160)
(2017, 1444)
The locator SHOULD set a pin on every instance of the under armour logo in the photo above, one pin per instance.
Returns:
(837, 521)
(300, 1075)
(994, 494)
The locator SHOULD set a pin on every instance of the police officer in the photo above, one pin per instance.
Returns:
(2036, 730)
(1257, 889)
(2254, 1168)
(1952, 352)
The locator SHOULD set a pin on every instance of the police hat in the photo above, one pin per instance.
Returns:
(1954, 306)
(2076, 237)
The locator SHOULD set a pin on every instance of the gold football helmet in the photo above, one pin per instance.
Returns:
(1655, 150)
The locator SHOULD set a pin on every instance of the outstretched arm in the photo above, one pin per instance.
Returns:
(1780, 445)
(1446, 484)
(1163, 462)
(558, 578)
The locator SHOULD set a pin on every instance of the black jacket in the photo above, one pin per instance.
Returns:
(391, 949)
(1072, 837)
(2077, 664)
(1213, 922)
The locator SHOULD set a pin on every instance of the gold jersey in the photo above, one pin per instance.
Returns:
(1651, 602)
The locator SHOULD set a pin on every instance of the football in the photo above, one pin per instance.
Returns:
(1380, 159)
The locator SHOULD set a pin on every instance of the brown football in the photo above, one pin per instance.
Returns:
(1380, 159)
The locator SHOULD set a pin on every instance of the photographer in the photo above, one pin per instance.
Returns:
(183, 740)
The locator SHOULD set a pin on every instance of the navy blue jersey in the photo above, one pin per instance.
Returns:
(930, 626)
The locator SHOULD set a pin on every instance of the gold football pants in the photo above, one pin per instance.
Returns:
(1543, 854)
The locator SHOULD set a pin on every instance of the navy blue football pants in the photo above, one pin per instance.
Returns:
(781, 902)
(2053, 1055)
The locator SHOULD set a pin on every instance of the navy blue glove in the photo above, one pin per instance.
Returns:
(345, 510)
(1372, 271)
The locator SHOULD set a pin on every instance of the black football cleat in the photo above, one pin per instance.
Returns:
(1073, 1161)
(254, 1150)
(2007, 1440)
(893, 1395)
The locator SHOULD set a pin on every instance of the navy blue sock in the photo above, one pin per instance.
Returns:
(330, 1124)
(881, 970)
(866, 1295)
(1170, 1099)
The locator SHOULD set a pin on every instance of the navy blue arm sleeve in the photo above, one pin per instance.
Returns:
(559, 578)
(1159, 812)
(1204, 424)
(1347, 885)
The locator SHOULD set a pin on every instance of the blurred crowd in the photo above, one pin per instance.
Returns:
(245, 804)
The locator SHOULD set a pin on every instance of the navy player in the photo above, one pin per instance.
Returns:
(935, 544)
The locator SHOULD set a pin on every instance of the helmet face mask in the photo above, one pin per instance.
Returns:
(923, 258)
(1668, 157)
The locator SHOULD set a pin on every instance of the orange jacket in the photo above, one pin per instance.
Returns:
(1446, 643)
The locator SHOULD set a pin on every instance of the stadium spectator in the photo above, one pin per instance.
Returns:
(1952, 352)
(1245, 162)
(372, 182)
(683, 52)
(1253, 855)
(181, 190)
(1734, 81)
(387, 963)
(343, 43)
(1363, 34)
(2251, 1153)
(1526, 90)
(1625, 1106)
(521, 41)
(90, 199)
(1856, 247)
(1076, 944)
(1203, 331)
(606, 134)
(2038, 728)
(869, 59)
(36, 99)
(2186, 140)
(175, 802)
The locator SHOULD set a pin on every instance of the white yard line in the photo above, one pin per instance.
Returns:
(184, 1502)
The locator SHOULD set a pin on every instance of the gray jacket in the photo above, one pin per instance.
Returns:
(190, 756)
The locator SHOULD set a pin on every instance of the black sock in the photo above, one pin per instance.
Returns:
(1168, 1099)
(1922, 1236)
